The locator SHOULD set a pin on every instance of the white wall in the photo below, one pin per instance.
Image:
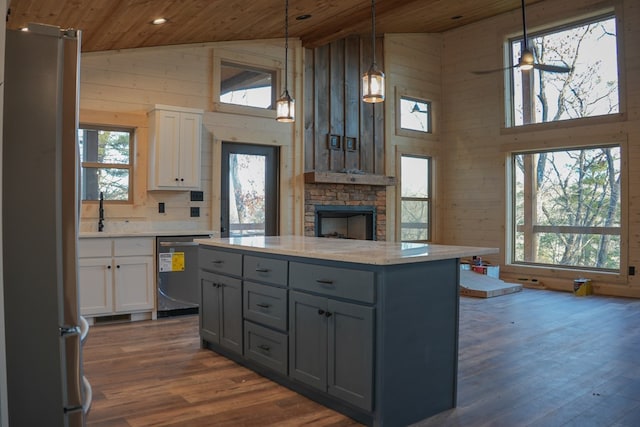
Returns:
(476, 145)
(119, 87)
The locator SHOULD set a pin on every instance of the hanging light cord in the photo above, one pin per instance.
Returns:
(286, 45)
(373, 29)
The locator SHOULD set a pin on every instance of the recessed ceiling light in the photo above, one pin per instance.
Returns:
(303, 17)
(159, 21)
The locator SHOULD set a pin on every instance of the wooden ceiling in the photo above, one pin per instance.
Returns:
(123, 24)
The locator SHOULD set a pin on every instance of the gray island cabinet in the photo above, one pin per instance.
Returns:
(367, 328)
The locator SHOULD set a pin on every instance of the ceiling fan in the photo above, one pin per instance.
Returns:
(526, 61)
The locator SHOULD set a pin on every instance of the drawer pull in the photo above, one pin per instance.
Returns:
(263, 305)
(217, 261)
(264, 347)
(328, 314)
(325, 281)
(262, 270)
(321, 312)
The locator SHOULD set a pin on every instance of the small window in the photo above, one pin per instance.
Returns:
(105, 156)
(415, 199)
(415, 114)
(247, 86)
(567, 208)
(588, 49)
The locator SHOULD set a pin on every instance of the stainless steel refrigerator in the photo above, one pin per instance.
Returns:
(40, 209)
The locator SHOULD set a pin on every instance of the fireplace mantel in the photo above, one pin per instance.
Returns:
(326, 177)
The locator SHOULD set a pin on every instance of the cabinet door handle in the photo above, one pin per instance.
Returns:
(118, 266)
(109, 267)
(325, 281)
(328, 314)
(264, 347)
(262, 270)
(181, 179)
(321, 312)
(263, 305)
(177, 179)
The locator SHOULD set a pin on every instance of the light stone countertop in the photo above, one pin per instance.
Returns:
(347, 250)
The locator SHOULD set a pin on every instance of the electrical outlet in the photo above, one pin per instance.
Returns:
(195, 211)
(161, 207)
(197, 196)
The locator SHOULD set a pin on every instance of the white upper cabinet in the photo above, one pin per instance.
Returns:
(175, 135)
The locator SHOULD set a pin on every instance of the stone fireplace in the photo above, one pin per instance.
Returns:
(347, 208)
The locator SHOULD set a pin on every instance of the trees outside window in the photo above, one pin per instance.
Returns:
(567, 208)
(415, 199)
(590, 89)
(105, 156)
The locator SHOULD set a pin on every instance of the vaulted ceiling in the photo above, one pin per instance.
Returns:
(123, 24)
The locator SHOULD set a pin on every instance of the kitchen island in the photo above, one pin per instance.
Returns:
(367, 328)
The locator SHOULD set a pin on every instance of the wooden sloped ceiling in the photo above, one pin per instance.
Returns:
(123, 24)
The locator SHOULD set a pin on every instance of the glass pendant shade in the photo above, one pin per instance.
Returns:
(285, 108)
(373, 85)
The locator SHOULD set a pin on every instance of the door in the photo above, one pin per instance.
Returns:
(308, 339)
(210, 307)
(249, 193)
(95, 279)
(133, 283)
(350, 352)
(231, 314)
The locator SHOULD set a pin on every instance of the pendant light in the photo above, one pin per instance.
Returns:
(285, 105)
(373, 79)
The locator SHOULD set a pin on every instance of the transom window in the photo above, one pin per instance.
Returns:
(415, 114)
(590, 88)
(247, 86)
(415, 199)
(566, 206)
(105, 156)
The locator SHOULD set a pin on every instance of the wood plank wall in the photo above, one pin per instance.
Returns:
(473, 183)
(119, 87)
(332, 76)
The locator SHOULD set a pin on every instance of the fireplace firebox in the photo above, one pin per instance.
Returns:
(345, 222)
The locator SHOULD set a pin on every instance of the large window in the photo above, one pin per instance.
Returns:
(566, 208)
(105, 156)
(415, 199)
(589, 89)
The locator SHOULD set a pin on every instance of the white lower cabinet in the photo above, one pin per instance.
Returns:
(115, 275)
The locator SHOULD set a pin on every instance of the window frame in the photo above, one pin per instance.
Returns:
(403, 93)
(233, 57)
(567, 23)
(429, 199)
(566, 271)
(98, 165)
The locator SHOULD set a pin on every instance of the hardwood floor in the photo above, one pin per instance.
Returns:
(535, 358)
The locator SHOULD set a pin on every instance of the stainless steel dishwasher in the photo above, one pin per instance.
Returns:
(177, 265)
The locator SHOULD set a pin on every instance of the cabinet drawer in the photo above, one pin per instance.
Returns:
(266, 305)
(133, 246)
(94, 248)
(265, 270)
(332, 281)
(220, 261)
(266, 347)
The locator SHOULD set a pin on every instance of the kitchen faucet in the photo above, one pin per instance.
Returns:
(101, 213)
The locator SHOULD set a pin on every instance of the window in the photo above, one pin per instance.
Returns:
(566, 207)
(415, 199)
(589, 89)
(105, 156)
(415, 114)
(247, 86)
